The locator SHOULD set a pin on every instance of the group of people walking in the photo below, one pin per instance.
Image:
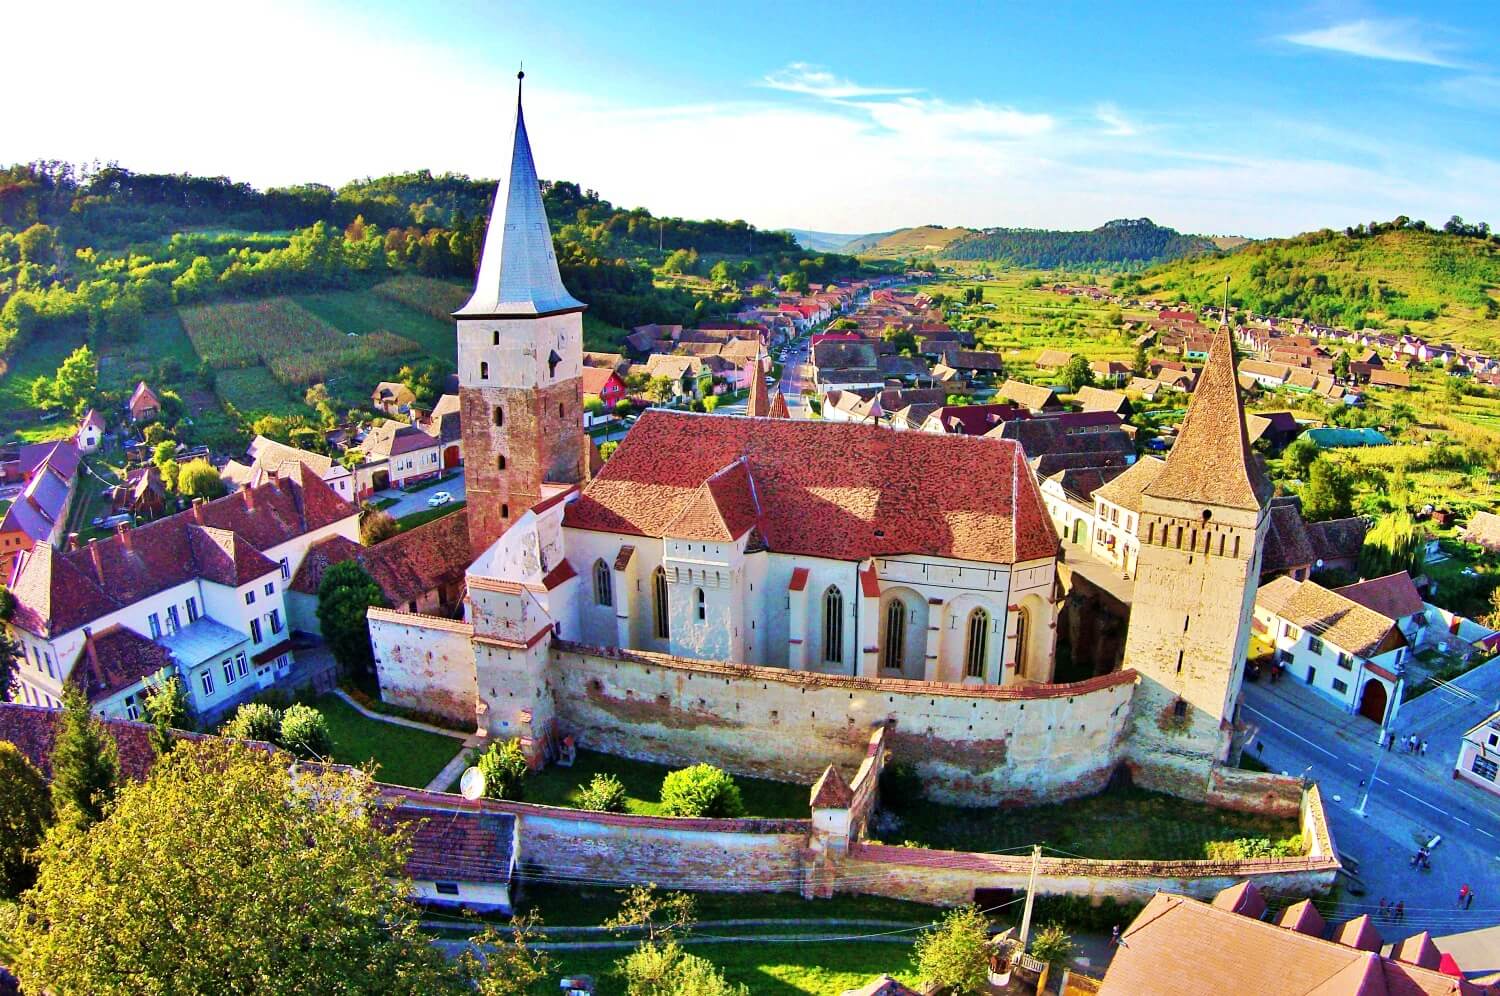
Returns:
(1409, 745)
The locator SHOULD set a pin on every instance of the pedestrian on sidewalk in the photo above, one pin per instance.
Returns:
(1463, 893)
(1390, 742)
(1411, 744)
(1469, 900)
(1422, 749)
(1400, 909)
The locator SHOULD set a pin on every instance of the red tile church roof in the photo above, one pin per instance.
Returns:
(844, 491)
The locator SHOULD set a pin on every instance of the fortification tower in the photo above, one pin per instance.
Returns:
(1202, 525)
(520, 360)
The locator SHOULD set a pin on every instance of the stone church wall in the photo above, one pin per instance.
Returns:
(973, 745)
(426, 663)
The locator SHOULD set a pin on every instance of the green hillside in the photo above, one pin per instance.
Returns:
(1125, 241)
(1436, 284)
(924, 240)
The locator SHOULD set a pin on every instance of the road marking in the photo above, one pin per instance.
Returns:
(1299, 736)
(1464, 822)
(1484, 831)
(1354, 766)
(1425, 803)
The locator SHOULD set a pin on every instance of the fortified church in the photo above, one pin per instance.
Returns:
(727, 587)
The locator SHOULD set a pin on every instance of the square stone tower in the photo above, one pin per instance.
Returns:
(1202, 526)
(520, 361)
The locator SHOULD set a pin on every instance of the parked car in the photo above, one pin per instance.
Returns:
(439, 500)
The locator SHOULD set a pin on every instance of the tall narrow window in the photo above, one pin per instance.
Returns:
(895, 635)
(1023, 632)
(604, 590)
(977, 650)
(833, 626)
(500, 461)
(659, 604)
(702, 605)
(484, 370)
(499, 416)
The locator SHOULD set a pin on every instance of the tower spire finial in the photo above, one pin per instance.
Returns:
(520, 82)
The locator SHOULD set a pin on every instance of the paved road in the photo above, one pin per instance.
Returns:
(406, 504)
(1412, 799)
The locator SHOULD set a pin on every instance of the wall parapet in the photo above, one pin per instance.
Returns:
(404, 618)
(755, 672)
(1050, 868)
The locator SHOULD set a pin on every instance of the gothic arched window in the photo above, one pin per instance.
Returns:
(1023, 633)
(833, 626)
(976, 652)
(659, 604)
(604, 586)
(895, 635)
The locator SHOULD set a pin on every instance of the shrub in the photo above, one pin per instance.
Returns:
(605, 794)
(377, 525)
(701, 790)
(304, 732)
(255, 721)
(607, 449)
(1253, 847)
(505, 770)
(667, 970)
(955, 954)
(1052, 945)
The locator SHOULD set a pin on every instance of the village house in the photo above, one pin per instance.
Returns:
(39, 514)
(604, 383)
(268, 459)
(1478, 759)
(90, 431)
(143, 404)
(1348, 653)
(143, 495)
(1110, 371)
(1483, 529)
(1096, 399)
(1033, 397)
(398, 455)
(200, 592)
(392, 398)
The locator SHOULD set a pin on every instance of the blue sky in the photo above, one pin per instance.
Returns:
(1258, 119)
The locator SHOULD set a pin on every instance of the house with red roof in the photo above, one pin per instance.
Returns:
(605, 384)
(199, 594)
(39, 514)
(143, 404)
(90, 431)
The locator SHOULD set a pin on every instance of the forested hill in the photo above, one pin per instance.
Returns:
(1127, 241)
(1401, 275)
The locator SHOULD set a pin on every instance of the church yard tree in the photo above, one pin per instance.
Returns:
(168, 709)
(25, 814)
(85, 764)
(343, 596)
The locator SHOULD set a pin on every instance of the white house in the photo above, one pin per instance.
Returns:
(90, 431)
(1346, 652)
(1479, 755)
(270, 458)
(1117, 514)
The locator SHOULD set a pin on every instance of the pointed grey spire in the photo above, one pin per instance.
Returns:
(518, 275)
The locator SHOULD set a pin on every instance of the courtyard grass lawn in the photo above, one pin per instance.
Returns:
(558, 786)
(1116, 824)
(426, 515)
(404, 756)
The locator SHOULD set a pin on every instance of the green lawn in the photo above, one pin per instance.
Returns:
(39, 357)
(1117, 824)
(254, 389)
(556, 786)
(425, 516)
(363, 311)
(121, 365)
(773, 969)
(579, 906)
(404, 756)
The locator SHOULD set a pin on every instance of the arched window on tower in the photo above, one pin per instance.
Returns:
(500, 461)
(895, 635)
(484, 370)
(976, 650)
(659, 604)
(702, 601)
(604, 585)
(499, 416)
(833, 626)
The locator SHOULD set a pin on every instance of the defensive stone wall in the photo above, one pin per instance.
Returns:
(971, 744)
(426, 663)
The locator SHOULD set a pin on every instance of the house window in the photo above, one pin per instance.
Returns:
(255, 630)
(1314, 644)
(1179, 708)
(659, 604)
(249, 598)
(275, 616)
(208, 682)
(446, 888)
(500, 461)
(702, 605)
(604, 591)
(1345, 661)
(192, 607)
(484, 370)
(833, 626)
(499, 416)
(173, 623)
(51, 672)
(976, 651)
(241, 667)
(496, 334)
(132, 708)
(270, 587)
(505, 511)
(229, 672)
(1339, 686)
(1485, 768)
(895, 635)
(286, 569)
(151, 621)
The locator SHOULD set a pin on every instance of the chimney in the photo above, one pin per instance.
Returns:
(123, 532)
(72, 541)
(250, 498)
(198, 510)
(98, 564)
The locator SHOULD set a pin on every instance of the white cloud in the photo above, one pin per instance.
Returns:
(817, 81)
(1392, 40)
(939, 121)
(1115, 123)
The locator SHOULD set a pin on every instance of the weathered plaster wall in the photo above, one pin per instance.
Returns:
(972, 744)
(427, 663)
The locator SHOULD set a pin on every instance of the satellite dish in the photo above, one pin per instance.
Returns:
(471, 785)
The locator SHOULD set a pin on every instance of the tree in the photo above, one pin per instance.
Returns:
(903, 339)
(1299, 456)
(168, 709)
(304, 732)
(344, 595)
(505, 769)
(701, 790)
(1138, 363)
(1052, 945)
(1076, 373)
(85, 764)
(1341, 366)
(259, 878)
(199, 479)
(377, 525)
(1395, 543)
(1329, 492)
(668, 970)
(25, 814)
(607, 449)
(660, 389)
(10, 657)
(604, 794)
(1492, 618)
(794, 282)
(720, 273)
(255, 721)
(73, 388)
(424, 380)
(593, 404)
(661, 917)
(955, 953)
(511, 964)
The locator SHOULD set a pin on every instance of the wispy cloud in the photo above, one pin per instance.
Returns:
(817, 81)
(1394, 40)
(1472, 90)
(1114, 122)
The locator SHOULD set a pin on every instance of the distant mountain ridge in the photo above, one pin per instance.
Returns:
(1123, 242)
(828, 241)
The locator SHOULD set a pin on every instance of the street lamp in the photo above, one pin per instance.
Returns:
(1379, 756)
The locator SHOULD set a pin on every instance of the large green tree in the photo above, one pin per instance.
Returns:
(1329, 492)
(955, 953)
(199, 479)
(1076, 373)
(343, 596)
(25, 813)
(85, 764)
(218, 874)
(73, 388)
(1395, 543)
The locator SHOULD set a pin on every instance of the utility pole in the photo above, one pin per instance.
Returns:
(1226, 299)
(1379, 756)
(1036, 861)
(661, 238)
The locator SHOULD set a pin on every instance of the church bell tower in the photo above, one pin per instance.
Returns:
(520, 360)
